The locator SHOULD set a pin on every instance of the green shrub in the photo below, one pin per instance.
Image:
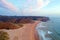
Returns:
(4, 35)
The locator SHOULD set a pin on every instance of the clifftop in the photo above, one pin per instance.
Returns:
(19, 18)
(14, 22)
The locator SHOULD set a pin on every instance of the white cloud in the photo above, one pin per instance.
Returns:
(7, 5)
(41, 4)
(35, 5)
(28, 5)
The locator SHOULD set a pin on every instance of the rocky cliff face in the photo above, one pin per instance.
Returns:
(17, 19)
(14, 22)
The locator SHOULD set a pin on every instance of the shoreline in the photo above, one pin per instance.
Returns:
(27, 32)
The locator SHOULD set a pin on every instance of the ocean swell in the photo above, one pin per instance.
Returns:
(43, 32)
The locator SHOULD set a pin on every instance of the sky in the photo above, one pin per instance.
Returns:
(29, 7)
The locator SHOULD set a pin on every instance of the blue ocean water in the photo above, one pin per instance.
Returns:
(54, 27)
(49, 30)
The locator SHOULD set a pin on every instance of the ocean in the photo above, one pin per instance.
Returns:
(49, 30)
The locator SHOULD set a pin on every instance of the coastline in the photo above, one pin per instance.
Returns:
(27, 32)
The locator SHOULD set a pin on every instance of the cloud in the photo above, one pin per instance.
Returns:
(42, 3)
(27, 5)
(35, 5)
(7, 5)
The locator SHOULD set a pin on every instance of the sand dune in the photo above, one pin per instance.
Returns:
(27, 32)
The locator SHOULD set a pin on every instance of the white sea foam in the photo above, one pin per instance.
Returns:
(49, 32)
(42, 30)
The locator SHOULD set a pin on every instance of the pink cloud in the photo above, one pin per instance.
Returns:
(8, 5)
(38, 5)
(41, 3)
(28, 5)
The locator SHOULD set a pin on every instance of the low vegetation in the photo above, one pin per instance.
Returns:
(9, 25)
(4, 35)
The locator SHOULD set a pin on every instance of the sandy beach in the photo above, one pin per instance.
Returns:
(27, 32)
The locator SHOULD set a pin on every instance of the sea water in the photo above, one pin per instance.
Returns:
(49, 30)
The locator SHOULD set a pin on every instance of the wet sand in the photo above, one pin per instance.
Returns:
(28, 32)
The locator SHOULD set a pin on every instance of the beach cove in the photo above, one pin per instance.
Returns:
(27, 32)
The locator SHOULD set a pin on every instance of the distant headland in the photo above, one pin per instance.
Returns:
(14, 22)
